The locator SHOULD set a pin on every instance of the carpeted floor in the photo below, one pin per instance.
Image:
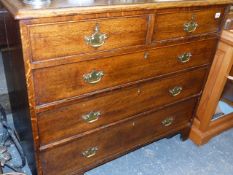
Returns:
(172, 157)
(169, 157)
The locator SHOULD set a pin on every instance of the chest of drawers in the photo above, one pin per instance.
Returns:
(89, 84)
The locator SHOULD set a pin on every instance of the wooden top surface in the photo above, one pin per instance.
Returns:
(69, 7)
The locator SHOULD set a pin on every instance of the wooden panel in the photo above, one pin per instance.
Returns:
(113, 140)
(112, 107)
(202, 131)
(66, 81)
(170, 25)
(62, 39)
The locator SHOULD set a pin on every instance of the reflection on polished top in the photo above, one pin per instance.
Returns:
(65, 7)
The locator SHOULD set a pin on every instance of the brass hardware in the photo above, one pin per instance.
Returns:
(184, 58)
(91, 117)
(168, 121)
(175, 91)
(90, 152)
(191, 26)
(139, 91)
(146, 55)
(93, 77)
(97, 39)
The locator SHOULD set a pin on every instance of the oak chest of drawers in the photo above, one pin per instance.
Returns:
(89, 83)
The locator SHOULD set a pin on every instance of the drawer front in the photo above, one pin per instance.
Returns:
(96, 112)
(186, 22)
(70, 38)
(56, 83)
(92, 149)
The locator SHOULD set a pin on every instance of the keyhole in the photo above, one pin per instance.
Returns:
(139, 91)
(146, 55)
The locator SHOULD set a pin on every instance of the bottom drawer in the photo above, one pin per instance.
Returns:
(90, 150)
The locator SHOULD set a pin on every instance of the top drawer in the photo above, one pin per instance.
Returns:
(172, 24)
(76, 37)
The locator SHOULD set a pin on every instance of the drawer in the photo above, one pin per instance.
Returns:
(94, 148)
(187, 22)
(93, 113)
(49, 41)
(65, 81)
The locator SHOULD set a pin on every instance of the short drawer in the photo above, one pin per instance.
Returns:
(65, 81)
(112, 107)
(50, 41)
(93, 149)
(172, 24)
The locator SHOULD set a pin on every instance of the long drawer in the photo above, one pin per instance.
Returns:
(178, 23)
(94, 148)
(65, 81)
(78, 37)
(96, 112)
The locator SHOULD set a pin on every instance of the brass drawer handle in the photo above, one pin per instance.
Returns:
(97, 39)
(90, 152)
(168, 121)
(175, 91)
(93, 77)
(91, 117)
(184, 58)
(191, 26)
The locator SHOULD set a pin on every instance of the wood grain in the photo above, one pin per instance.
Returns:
(67, 39)
(170, 24)
(203, 130)
(59, 8)
(117, 70)
(47, 57)
(136, 99)
(113, 140)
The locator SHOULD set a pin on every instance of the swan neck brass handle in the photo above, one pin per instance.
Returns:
(90, 152)
(175, 91)
(93, 77)
(184, 58)
(97, 39)
(91, 117)
(168, 121)
(191, 26)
